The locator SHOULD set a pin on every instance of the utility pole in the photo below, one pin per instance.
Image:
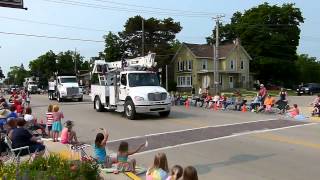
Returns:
(216, 55)
(142, 36)
(75, 61)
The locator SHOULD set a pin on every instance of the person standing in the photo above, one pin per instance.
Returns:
(263, 92)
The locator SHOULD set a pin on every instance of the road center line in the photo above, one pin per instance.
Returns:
(225, 137)
(190, 129)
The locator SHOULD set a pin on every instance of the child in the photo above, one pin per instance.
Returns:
(293, 111)
(56, 126)
(122, 157)
(190, 173)
(175, 172)
(49, 118)
(68, 136)
(159, 169)
(100, 144)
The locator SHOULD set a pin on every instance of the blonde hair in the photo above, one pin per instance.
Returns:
(50, 108)
(55, 108)
(160, 161)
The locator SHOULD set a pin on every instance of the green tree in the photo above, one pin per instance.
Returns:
(1, 74)
(44, 67)
(159, 36)
(114, 48)
(17, 74)
(270, 34)
(308, 68)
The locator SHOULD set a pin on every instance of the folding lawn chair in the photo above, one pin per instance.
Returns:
(14, 153)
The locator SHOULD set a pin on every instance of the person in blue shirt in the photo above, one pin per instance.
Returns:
(12, 114)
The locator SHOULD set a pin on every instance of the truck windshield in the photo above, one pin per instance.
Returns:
(68, 80)
(143, 79)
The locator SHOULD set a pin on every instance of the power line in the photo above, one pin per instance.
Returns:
(114, 8)
(164, 9)
(51, 24)
(50, 37)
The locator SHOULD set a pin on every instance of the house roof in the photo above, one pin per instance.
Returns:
(205, 50)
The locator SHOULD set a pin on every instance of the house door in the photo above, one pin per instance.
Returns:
(205, 81)
(230, 82)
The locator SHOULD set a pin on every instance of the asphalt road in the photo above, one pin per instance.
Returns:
(221, 145)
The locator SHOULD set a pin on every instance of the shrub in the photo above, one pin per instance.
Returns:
(52, 167)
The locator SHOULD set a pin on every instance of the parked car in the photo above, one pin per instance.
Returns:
(309, 88)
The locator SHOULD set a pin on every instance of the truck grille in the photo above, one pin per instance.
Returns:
(157, 96)
(72, 91)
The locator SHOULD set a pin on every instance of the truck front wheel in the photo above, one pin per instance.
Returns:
(129, 110)
(97, 104)
(164, 113)
(59, 98)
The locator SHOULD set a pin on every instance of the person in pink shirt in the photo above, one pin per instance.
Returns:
(68, 136)
(294, 111)
(56, 126)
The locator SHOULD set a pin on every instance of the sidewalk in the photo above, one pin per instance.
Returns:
(64, 151)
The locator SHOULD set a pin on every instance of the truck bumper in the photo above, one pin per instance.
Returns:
(72, 97)
(152, 108)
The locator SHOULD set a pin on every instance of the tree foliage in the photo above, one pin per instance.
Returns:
(159, 37)
(17, 74)
(270, 34)
(308, 69)
(114, 48)
(2, 76)
(46, 65)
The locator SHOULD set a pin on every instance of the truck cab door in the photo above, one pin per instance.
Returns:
(123, 87)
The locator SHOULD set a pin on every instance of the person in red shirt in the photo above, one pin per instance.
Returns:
(263, 92)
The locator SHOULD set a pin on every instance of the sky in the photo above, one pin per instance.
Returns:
(18, 49)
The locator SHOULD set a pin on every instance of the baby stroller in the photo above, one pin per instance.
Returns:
(282, 106)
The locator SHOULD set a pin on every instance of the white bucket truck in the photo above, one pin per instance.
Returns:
(64, 87)
(128, 86)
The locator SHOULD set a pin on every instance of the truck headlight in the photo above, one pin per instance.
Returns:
(138, 98)
(307, 89)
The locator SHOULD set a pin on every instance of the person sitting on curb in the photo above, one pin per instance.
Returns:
(32, 122)
(159, 169)
(268, 104)
(294, 111)
(68, 136)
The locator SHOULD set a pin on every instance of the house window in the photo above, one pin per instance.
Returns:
(242, 65)
(232, 64)
(204, 64)
(178, 66)
(189, 65)
(184, 81)
(181, 66)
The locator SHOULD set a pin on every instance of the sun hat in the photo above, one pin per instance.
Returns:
(68, 123)
(4, 113)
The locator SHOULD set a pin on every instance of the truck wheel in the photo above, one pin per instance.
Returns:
(129, 110)
(59, 98)
(80, 99)
(97, 104)
(164, 113)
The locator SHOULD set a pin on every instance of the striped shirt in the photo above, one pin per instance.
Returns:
(49, 116)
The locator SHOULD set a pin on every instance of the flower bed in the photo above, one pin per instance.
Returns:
(52, 167)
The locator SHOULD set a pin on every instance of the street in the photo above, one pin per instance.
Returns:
(219, 144)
